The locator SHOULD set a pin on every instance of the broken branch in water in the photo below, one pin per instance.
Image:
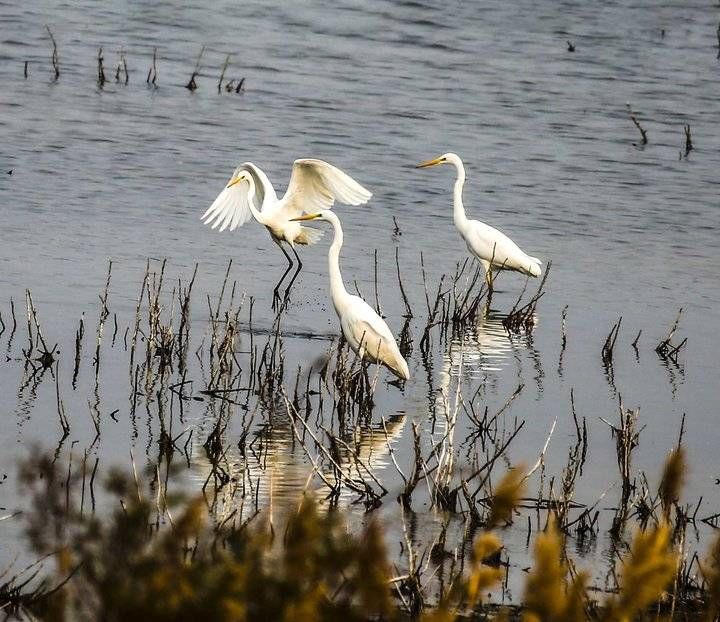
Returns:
(563, 339)
(104, 313)
(665, 349)
(523, 318)
(100, 70)
(152, 72)
(408, 310)
(192, 85)
(78, 349)
(47, 355)
(607, 349)
(222, 73)
(55, 58)
(635, 342)
(627, 438)
(634, 119)
(688, 140)
(122, 68)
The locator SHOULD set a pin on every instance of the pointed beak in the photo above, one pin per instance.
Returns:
(429, 163)
(306, 217)
(233, 181)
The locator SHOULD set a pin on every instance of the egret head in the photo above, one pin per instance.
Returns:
(238, 176)
(325, 215)
(446, 158)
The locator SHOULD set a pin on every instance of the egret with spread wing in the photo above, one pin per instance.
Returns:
(314, 185)
(366, 332)
(494, 249)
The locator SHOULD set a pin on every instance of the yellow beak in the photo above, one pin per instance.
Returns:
(306, 217)
(430, 163)
(233, 181)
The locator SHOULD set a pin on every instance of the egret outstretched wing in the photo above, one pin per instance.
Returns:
(316, 185)
(231, 208)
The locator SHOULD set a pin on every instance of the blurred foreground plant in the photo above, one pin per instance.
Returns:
(118, 567)
(123, 565)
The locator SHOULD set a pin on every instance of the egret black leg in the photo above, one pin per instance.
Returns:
(276, 296)
(294, 276)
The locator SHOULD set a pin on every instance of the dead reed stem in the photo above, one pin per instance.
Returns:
(122, 68)
(104, 313)
(192, 85)
(152, 72)
(665, 349)
(55, 57)
(222, 73)
(634, 119)
(688, 140)
(100, 69)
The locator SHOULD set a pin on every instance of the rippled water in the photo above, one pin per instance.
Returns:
(375, 87)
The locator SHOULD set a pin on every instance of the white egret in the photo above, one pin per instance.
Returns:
(366, 332)
(314, 185)
(493, 249)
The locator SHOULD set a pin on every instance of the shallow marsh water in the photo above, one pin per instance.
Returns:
(124, 173)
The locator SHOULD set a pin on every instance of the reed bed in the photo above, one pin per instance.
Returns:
(146, 543)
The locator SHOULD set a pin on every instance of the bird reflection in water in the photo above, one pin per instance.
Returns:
(486, 346)
(274, 469)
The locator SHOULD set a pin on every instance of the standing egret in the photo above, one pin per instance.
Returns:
(314, 185)
(366, 332)
(494, 249)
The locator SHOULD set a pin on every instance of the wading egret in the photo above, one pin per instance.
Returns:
(314, 185)
(494, 249)
(366, 332)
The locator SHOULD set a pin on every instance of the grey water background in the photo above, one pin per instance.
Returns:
(375, 87)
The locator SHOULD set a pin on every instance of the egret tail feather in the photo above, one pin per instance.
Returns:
(534, 268)
(309, 236)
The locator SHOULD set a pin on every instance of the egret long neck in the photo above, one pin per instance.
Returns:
(337, 287)
(264, 189)
(251, 202)
(458, 207)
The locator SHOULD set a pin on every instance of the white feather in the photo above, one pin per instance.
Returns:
(230, 208)
(315, 185)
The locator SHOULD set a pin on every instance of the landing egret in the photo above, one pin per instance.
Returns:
(314, 185)
(494, 249)
(366, 332)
